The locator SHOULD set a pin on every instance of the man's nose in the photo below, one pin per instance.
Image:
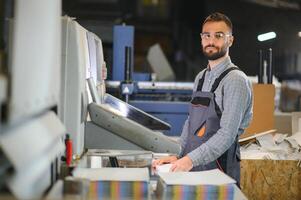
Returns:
(211, 40)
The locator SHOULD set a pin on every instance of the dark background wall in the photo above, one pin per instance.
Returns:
(176, 25)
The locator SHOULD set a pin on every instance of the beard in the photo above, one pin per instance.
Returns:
(215, 55)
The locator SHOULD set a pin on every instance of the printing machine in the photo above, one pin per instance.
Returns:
(114, 124)
(102, 127)
(44, 96)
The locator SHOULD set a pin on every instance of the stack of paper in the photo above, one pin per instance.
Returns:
(211, 184)
(116, 183)
(119, 190)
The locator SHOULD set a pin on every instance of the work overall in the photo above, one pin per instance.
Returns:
(204, 122)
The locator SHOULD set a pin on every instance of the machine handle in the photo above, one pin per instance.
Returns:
(128, 64)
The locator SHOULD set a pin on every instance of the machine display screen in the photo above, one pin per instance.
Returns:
(136, 115)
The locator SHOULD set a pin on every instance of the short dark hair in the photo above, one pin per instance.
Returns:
(219, 17)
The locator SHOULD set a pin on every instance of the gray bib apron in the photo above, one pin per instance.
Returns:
(204, 122)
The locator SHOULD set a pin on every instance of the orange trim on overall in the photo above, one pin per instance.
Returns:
(202, 131)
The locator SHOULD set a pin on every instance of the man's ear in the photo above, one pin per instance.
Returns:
(230, 41)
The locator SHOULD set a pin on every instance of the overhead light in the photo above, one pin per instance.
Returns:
(299, 34)
(266, 36)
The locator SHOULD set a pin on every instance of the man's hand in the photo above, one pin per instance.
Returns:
(182, 165)
(164, 160)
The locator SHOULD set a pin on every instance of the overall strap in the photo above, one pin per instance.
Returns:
(220, 78)
(201, 82)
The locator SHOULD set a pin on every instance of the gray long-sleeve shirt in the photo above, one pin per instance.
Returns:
(234, 97)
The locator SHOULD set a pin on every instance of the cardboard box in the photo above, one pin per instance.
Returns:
(263, 109)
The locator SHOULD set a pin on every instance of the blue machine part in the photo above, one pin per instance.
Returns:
(173, 113)
(123, 36)
(139, 76)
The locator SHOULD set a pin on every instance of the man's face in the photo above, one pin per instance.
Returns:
(216, 40)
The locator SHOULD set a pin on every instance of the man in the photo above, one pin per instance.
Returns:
(220, 109)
